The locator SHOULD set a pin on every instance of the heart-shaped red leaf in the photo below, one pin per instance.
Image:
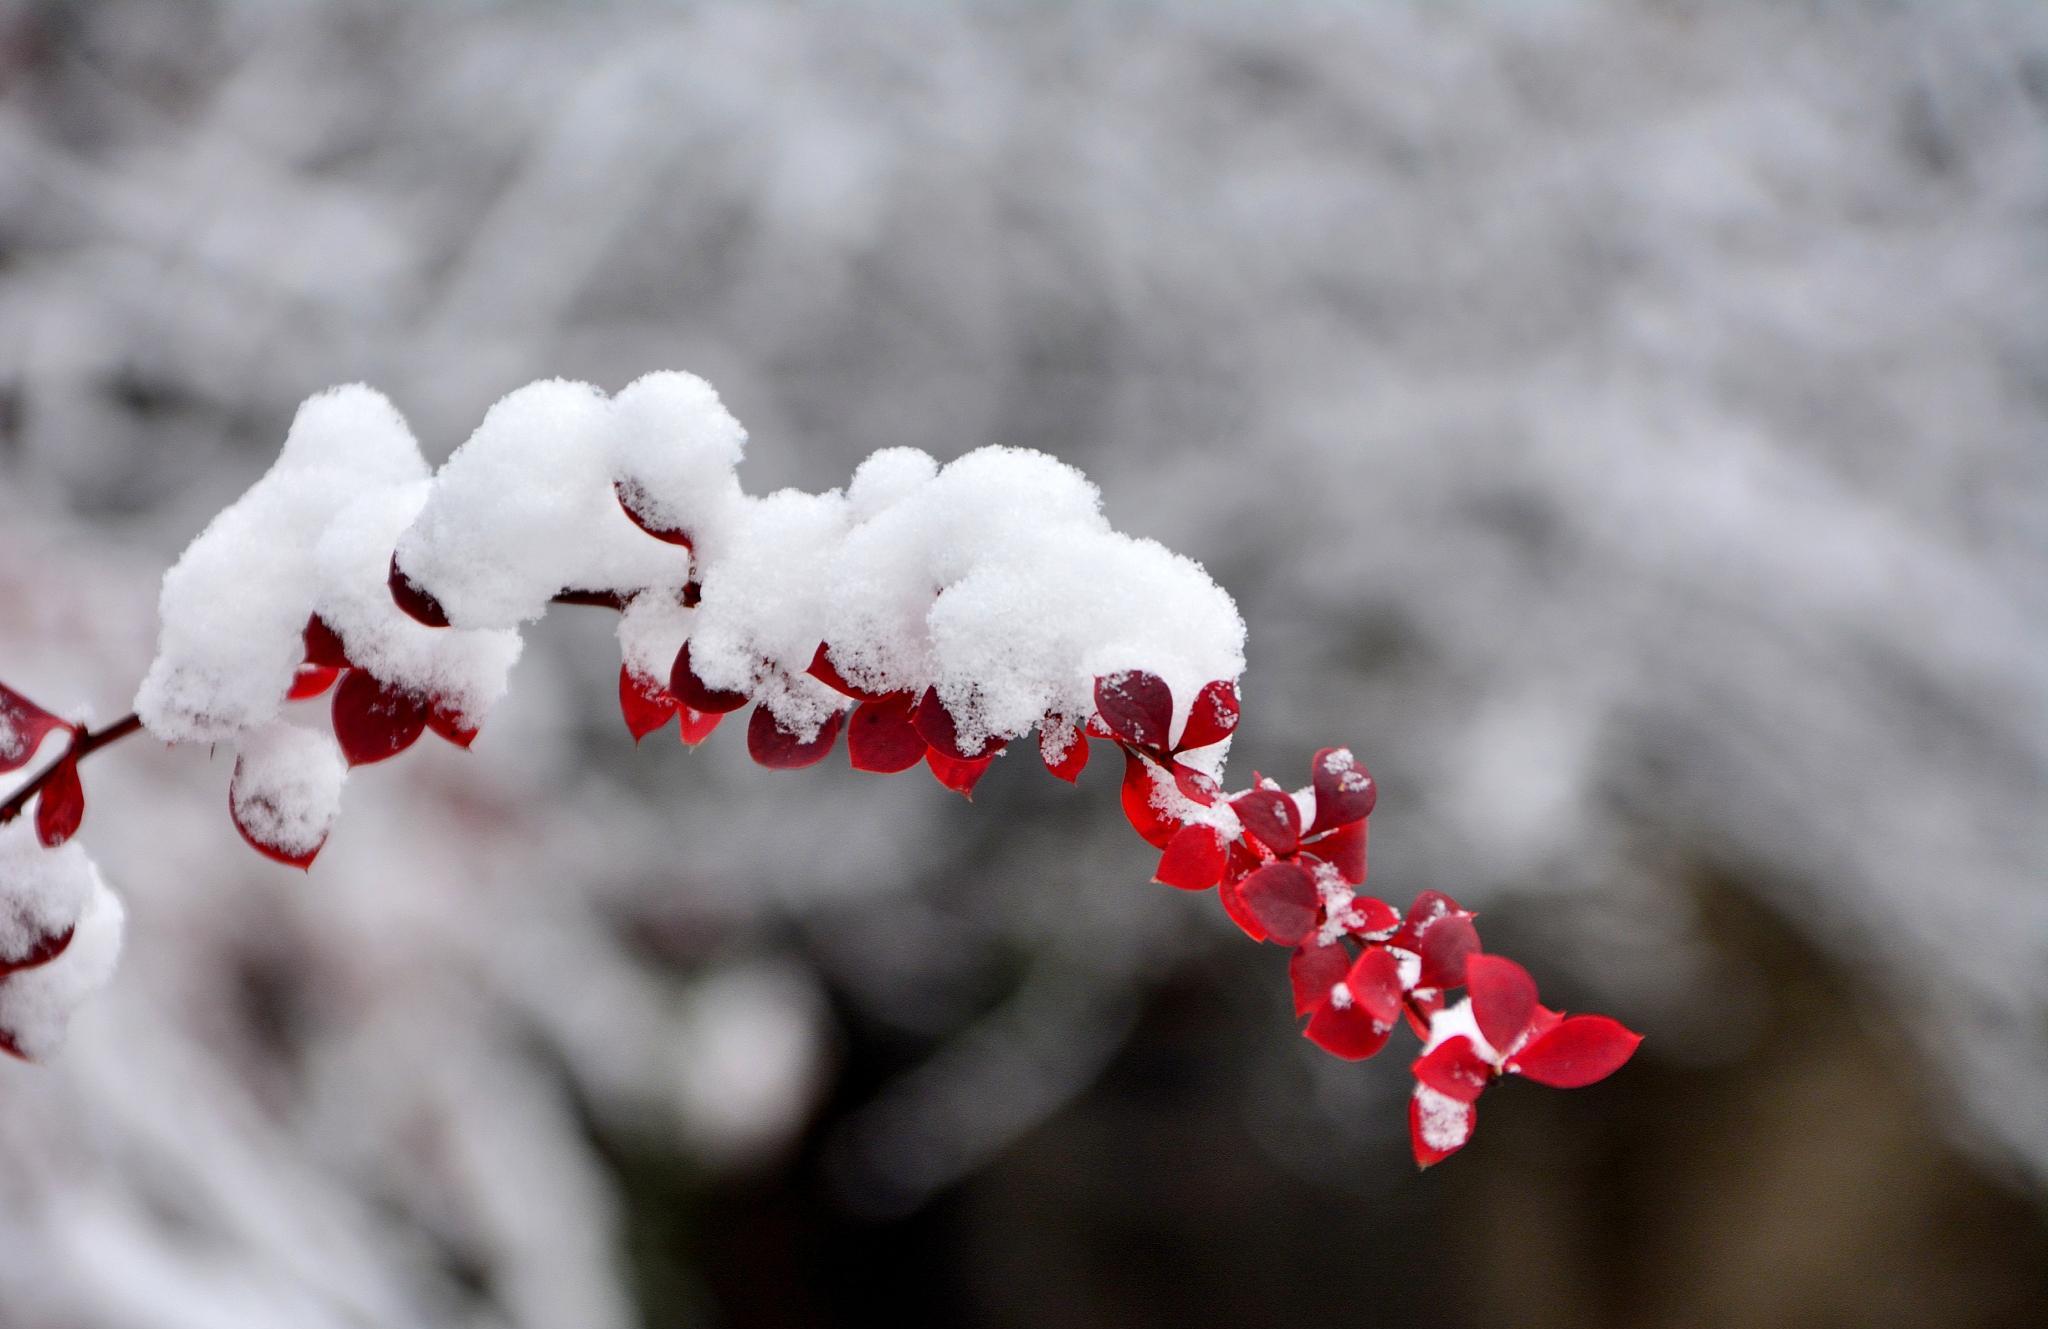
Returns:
(1438, 1125)
(1196, 786)
(449, 723)
(1503, 998)
(310, 681)
(46, 948)
(880, 737)
(1140, 790)
(822, 669)
(1068, 761)
(60, 807)
(1345, 791)
(1579, 1051)
(695, 693)
(1427, 908)
(412, 597)
(645, 704)
(632, 498)
(958, 776)
(1212, 718)
(1454, 1069)
(324, 645)
(775, 747)
(1282, 896)
(1193, 860)
(374, 722)
(697, 725)
(935, 724)
(1343, 849)
(1376, 918)
(1374, 982)
(1446, 945)
(1271, 817)
(1231, 893)
(1348, 1031)
(23, 727)
(1313, 970)
(1137, 707)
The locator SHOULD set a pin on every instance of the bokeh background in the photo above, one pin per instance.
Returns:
(1625, 424)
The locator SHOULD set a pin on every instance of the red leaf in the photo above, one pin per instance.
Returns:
(1344, 850)
(880, 737)
(935, 724)
(1137, 707)
(303, 862)
(1376, 917)
(1438, 1125)
(1069, 763)
(1454, 1069)
(60, 807)
(1212, 718)
(1349, 1032)
(1231, 892)
(324, 646)
(958, 776)
(450, 725)
(311, 680)
(629, 495)
(697, 725)
(1446, 945)
(1195, 786)
(822, 669)
(12, 1048)
(1314, 970)
(1503, 998)
(1374, 982)
(695, 693)
(1272, 817)
(1578, 1052)
(1193, 860)
(1145, 816)
(374, 722)
(23, 727)
(1282, 896)
(46, 949)
(645, 703)
(778, 749)
(413, 598)
(1345, 791)
(1427, 908)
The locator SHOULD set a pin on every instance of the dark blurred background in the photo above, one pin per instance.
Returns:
(1625, 424)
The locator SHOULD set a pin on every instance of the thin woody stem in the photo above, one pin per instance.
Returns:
(84, 742)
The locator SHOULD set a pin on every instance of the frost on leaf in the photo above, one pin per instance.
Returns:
(1137, 706)
(286, 792)
(374, 722)
(23, 727)
(698, 695)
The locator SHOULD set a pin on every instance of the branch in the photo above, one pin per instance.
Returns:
(84, 742)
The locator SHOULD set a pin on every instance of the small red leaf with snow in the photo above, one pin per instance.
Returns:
(1356, 1021)
(1579, 1051)
(1503, 998)
(775, 747)
(1272, 817)
(1345, 791)
(1282, 896)
(1137, 707)
(1063, 748)
(310, 681)
(1438, 1125)
(645, 704)
(1212, 718)
(695, 693)
(47, 948)
(958, 776)
(822, 669)
(631, 499)
(1313, 970)
(935, 724)
(374, 722)
(1140, 788)
(60, 807)
(697, 725)
(23, 727)
(1343, 849)
(301, 859)
(449, 724)
(1195, 786)
(323, 645)
(881, 738)
(1446, 945)
(1193, 860)
(1454, 1069)
(410, 596)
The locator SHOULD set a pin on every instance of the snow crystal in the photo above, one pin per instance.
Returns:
(1458, 1021)
(36, 1004)
(673, 450)
(287, 786)
(1445, 1122)
(651, 633)
(1340, 996)
(234, 605)
(42, 891)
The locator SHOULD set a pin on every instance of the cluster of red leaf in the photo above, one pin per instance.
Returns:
(60, 807)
